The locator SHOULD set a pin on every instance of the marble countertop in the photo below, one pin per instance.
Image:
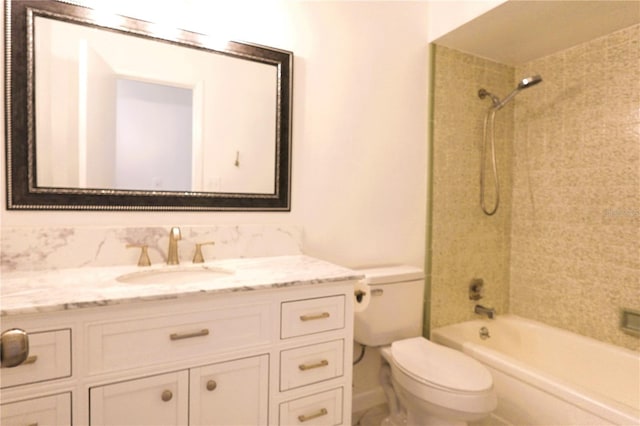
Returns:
(64, 289)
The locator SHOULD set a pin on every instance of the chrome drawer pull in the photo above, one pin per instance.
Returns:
(167, 395)
(314, 316)
(322, 412)
(304, 367)
(176, 336)
(30, 360)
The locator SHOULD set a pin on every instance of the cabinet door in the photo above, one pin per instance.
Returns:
(230, 393)
(156, 400)
(48, 410)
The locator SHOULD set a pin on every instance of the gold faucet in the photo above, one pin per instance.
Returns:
(197, 255)
(172, 254)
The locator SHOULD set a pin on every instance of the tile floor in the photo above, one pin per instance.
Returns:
(375, 415)
(371, 416)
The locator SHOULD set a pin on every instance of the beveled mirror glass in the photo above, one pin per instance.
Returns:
(104, 113)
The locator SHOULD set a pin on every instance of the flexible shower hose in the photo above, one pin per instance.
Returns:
(489, 131)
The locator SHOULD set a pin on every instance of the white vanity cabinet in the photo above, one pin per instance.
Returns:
(48, 410)
(275, 356)
(49, 360)
(199, 396)
(155, 400)
(215, 391)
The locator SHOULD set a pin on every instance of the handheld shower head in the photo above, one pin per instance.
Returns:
(529, 81)
(489, 133)
(523, 84)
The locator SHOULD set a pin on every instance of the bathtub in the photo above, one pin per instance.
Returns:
(546, 376)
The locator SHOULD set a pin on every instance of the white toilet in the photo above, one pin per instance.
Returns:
(429, 384)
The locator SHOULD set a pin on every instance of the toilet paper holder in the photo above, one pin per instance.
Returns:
(374, 292)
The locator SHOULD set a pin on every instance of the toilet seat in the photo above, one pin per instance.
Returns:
(439, 366)
(442, 376)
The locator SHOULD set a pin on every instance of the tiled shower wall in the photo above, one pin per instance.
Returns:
(466, 244)
(564, 247)
(575, 238)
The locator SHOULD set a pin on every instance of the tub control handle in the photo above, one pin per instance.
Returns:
(14, 347)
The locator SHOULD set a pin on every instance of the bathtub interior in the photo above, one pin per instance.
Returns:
(609, 372)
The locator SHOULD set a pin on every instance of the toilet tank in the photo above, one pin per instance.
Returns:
(395, 307)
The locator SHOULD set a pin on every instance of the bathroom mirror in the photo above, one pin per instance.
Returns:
(106, 112)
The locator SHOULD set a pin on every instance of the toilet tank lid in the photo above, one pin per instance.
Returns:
(391, 274)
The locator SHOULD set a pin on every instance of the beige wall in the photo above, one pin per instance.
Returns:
(565, 250)
(575, 240)
(359, 129)
(466, 244)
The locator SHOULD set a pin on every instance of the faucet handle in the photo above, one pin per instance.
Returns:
(197, 255)
(144, 254)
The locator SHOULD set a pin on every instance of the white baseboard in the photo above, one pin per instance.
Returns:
(368, 399)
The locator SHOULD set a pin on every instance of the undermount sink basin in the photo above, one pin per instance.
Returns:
(175, 275)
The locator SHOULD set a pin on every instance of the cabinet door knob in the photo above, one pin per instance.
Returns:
(211, 385)
(167, 395)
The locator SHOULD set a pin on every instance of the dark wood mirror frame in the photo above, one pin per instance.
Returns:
(22, 190)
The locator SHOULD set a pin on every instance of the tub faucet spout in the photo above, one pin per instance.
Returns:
(488, 312)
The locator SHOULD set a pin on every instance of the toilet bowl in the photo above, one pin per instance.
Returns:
(429, 384)
(439, 385)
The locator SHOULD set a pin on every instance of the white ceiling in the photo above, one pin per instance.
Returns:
(519, 31)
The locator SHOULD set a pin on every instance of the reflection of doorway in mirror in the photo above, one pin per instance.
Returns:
(153, 136)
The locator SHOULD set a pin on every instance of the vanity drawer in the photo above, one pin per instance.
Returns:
(311, 364)
(47, 410)
(309, 316)
(49, 359)
(125, 344)
(323, 408)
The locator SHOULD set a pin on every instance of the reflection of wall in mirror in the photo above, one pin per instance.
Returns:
(236, 129)
(56, 82)
(233, 105)
(153, 137)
